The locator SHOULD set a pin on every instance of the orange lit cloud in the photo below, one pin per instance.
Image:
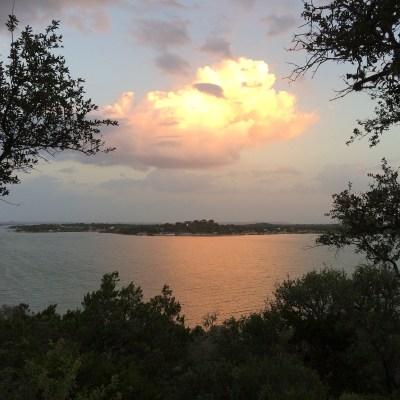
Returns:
(228, 107)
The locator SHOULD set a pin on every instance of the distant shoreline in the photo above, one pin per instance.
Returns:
(187, 228)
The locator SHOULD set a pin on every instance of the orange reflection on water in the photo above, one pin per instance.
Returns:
(230, 275)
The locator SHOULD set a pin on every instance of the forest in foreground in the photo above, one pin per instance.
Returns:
(325, 335)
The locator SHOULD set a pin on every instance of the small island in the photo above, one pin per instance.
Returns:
(186, 228)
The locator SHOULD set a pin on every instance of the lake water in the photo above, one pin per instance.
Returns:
(231, 275)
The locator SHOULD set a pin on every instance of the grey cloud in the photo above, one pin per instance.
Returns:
(286, 170)
(69, 170)
(156, 5)
(40, 198)
(217, 46)
(117, 157)
(163, 3)
(88, 15)
(124, 183)
(190, 161)
(165, 181)
(172, 3)
(172, 64)
(334, 178)
(274, 176)
(210, 88)
(247, 4)
(279, 24)
(161, 34)
(280, 170)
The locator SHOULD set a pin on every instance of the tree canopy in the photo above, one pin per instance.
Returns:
(370, 220)
(363, 34)
(325, 335)
(43, 110)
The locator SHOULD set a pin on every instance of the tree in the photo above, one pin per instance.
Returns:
(370, 221)
(42, 108)
(345, 327)
(364, 34)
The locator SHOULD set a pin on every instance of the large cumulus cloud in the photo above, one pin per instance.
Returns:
(206, 123)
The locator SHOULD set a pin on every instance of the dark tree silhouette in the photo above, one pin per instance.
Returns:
(371, 220)
(42, 108)
(363, 34)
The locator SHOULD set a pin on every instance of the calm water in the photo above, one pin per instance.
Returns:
(229, 275)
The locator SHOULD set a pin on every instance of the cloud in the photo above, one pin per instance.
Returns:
(210, 88)
(161, 34)
(279, 170)
(335, 178)
(273, 179)
(279, 24)
(172, 64)
(68, 170)
(217, 46)
(156, 5)
(164, 181)
(247, 4)
(88, 15)
(285, 170)
(195, 126)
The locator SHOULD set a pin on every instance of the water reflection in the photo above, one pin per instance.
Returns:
(229, 275)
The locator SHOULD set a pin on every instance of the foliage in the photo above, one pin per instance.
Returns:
(363, 34)
(116, 345)
(370, 221)
(42, 108)
(277, 378)
(345, 328)
(313, 307)
(324, 335)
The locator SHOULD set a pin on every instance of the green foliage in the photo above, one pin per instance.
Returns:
(370, 221)
(122, 335)
(346, 328)
(363, 34)
(278, 378)
(325, 335)
(313, 307)
(50, 377)
(42, 108)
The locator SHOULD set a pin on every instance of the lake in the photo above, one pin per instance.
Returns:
(231, 275)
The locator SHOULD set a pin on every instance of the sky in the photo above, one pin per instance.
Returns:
(209, 125)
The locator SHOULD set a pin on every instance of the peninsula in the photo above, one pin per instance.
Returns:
(186, 228)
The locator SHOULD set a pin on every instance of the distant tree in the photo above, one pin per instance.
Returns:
(363, 34)
(370, 221)
(42, 109)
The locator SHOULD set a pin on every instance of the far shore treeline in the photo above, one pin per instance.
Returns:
(196, 227)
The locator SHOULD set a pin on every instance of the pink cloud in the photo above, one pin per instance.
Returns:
(191, 127)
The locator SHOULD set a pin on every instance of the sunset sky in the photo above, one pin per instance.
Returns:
(209, 128)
